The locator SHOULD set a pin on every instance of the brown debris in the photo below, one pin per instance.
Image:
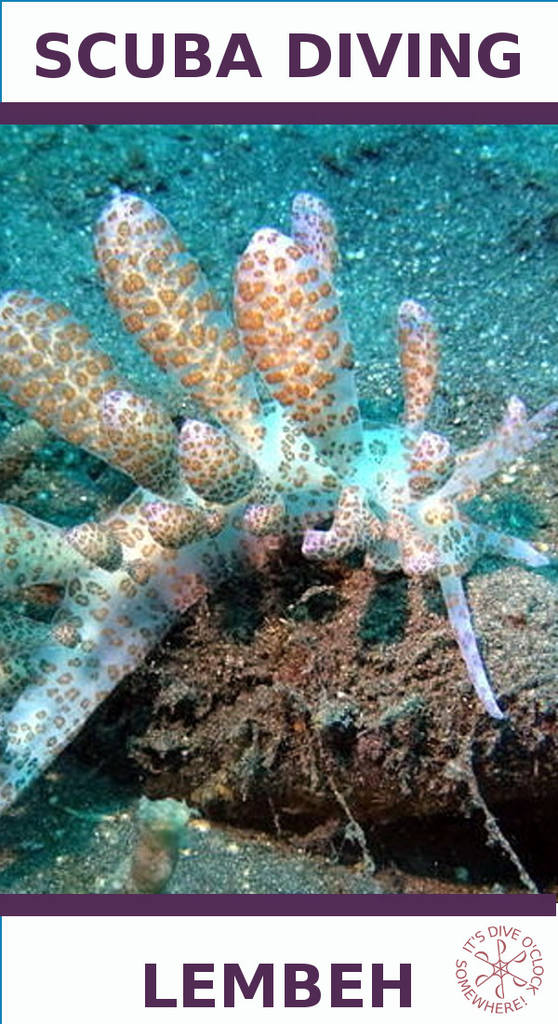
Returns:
(321, 702)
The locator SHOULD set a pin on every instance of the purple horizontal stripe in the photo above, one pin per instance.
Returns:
(278, 906)
(279, 113)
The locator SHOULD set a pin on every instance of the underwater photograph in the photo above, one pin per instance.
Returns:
(278, 509)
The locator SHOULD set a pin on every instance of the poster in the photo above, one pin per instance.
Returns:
(278, 405)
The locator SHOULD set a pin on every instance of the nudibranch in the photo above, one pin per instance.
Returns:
(278, 447)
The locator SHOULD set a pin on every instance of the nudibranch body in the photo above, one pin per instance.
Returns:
(280, 448)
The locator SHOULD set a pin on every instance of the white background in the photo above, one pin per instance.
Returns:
(91, 970)
(267, 26)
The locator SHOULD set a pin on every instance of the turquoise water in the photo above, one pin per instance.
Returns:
(462, 218)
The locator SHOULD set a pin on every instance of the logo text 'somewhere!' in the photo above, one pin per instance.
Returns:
(500, 968)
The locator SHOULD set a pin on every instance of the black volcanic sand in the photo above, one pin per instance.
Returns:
(319, 719)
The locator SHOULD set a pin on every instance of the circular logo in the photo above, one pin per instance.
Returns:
(500, 968)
